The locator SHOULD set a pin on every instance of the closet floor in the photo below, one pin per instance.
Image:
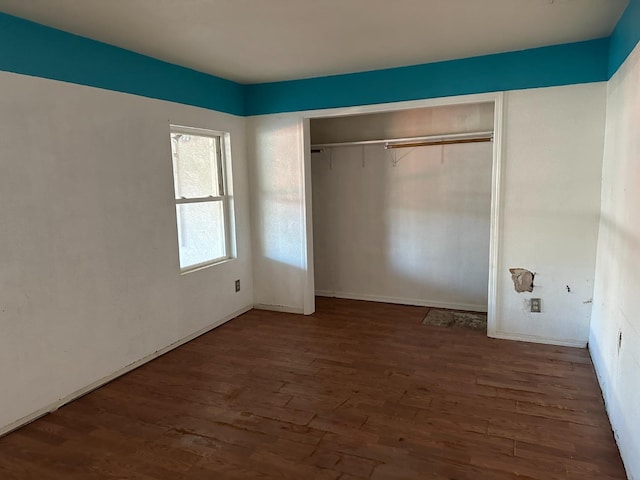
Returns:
(358, 390)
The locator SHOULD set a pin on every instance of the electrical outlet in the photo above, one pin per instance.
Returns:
(237, 285)
(535, 305)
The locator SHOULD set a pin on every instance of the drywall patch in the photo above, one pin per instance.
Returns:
(522, 279)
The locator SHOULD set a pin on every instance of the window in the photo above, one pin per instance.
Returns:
(202, 206)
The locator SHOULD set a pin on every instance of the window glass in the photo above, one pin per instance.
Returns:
(201, 232)
(195, 172)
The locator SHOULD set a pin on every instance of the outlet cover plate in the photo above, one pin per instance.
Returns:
(535, 305)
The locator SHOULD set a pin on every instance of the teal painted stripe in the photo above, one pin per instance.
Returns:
(33, 49)
(625, 36)
(574, 63)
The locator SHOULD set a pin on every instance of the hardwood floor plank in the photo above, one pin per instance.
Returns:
(356, 391)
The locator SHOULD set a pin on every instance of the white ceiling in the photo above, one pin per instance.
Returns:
(252, 41)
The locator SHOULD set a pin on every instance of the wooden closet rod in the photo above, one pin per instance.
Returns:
(437, 142)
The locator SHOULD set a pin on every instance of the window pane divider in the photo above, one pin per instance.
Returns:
(199, 199)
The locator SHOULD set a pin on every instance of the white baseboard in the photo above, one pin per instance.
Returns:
(537, 339)
(594, 354)
(278, 308)
(52, 407)
(603, 383)
(404, 301)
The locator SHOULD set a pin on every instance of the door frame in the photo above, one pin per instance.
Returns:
(497, 98)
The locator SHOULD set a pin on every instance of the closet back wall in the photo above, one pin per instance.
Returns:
(407, 225)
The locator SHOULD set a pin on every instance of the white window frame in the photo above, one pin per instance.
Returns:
(221, 141)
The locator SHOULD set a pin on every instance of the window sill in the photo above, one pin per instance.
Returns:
(203, 266)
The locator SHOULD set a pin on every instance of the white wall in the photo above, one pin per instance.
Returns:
(616, 305)
(553, 143)
(89, 274)
(550, 204)
(414, 233)
(275, 145)
(281, 216)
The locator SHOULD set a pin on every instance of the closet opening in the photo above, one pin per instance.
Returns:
(404, 204)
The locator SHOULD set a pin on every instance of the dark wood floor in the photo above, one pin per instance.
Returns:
(358, 390)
